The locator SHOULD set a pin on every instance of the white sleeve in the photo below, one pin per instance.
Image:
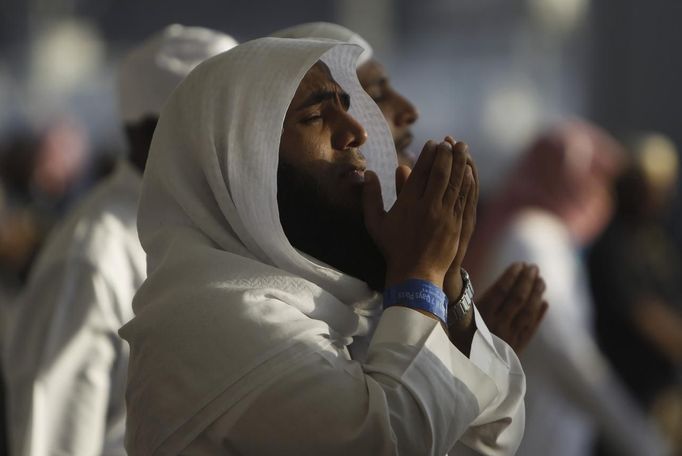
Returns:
(568, 352)
(416, 394)
(585, 376)
(58, 363)
(499, 429)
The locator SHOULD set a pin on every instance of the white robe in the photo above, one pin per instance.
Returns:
(572, 391)
(242, 345)
(64, 363)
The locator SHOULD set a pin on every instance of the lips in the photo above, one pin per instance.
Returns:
(353, 173)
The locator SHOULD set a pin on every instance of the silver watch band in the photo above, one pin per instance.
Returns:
(458, 309)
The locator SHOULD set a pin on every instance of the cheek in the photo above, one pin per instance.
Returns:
(389, 114)
(303, 145)
(306, 149)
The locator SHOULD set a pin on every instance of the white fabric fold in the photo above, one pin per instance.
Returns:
(209, 223)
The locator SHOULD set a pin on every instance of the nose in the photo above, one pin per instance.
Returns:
(348, 133)
(406, 114)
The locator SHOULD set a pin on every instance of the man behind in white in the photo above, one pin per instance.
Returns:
(64, 362)
(260, 328)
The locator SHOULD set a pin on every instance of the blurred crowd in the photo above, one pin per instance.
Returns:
(42, 175)
(593, 210)
(594, 214)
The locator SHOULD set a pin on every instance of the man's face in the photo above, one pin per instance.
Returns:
(320, 178)
(321, 140)
(398, 111)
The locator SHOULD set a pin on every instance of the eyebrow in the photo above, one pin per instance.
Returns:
(319, 96)
(381, 80)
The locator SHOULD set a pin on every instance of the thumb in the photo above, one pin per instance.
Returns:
(372, 202)
(402, 173)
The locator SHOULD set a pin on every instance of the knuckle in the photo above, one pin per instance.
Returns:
(460, 204)
(452, 188)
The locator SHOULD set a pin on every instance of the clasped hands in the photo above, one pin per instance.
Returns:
(426, 233)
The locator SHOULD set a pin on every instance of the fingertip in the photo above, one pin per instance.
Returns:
(461, 147)
(445, 146)
(517, 267)
(402, 172)
(425, 158)
(460, 155)
(542, 284)
(404, 168)
(402, 175)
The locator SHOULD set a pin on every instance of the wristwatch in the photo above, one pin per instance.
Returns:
(458, 309)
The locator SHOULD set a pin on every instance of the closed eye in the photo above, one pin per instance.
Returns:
(379, 97)
(312, 118)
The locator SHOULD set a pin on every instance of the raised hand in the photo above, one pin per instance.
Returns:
(452, 283)
(420, 235)
(513, 306)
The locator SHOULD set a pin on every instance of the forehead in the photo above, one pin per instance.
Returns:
(371, 72)
(317, 78)
(319, 72)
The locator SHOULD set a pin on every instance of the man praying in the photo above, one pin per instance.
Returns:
(513, 306)
(285, 310)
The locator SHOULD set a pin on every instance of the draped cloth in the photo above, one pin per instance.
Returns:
(328, 31)
(230, 308)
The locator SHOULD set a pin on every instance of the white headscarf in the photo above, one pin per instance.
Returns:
(150, 72)
(328, 31)
(228, 297)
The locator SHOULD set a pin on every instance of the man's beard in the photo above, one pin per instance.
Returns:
(334, 235)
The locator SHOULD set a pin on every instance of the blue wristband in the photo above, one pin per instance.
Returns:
(418, 294)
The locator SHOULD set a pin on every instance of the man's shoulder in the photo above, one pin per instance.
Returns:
(537, 231)
(113, 200)
(100, 229)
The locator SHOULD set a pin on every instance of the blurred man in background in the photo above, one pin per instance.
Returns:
(552, 206)
(40, 177)
(64, 362)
